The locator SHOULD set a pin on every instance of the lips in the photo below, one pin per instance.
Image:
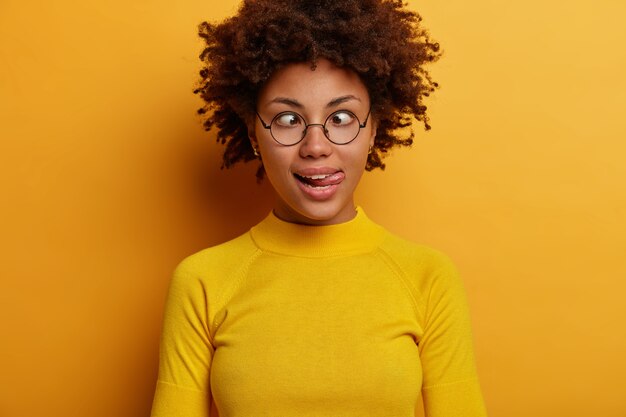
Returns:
(320, 180)
(319, 183)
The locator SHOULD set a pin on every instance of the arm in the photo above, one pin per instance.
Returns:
(183, 387)
(450, 385)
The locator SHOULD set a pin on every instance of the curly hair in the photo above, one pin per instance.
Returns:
(380, 40)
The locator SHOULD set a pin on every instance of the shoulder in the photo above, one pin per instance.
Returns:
(208, 269)
(224, 256)
(200, 284)
(427, 271)
(411, 256)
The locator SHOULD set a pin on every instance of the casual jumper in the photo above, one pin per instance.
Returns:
(289, 320)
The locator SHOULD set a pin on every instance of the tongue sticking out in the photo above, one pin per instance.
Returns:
(321, 180)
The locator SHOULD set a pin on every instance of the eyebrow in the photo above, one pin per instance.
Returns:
(295, 103)
(340, 100)
(288, 101)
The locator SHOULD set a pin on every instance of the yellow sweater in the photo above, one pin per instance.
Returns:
(289, 320)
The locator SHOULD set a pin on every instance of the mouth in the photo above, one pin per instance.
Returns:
(320, 181)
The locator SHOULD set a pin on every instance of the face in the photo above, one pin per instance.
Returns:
(315, 179)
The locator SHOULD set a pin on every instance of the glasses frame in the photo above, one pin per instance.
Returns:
(307, 125)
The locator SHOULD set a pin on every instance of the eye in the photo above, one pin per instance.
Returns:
(288, 120)
(342, 118)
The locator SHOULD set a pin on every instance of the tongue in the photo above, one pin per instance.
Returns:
(335, 178)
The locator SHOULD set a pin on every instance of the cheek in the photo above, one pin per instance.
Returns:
(275, 162)
(355, 160)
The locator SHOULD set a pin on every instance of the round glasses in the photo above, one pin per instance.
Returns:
(288, 128)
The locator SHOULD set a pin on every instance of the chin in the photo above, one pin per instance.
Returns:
(319, 212)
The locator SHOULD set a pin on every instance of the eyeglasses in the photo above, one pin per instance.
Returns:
(288, 128)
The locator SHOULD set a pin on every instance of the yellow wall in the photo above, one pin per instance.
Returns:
(108, 180)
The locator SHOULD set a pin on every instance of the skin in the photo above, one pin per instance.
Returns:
(314, 94)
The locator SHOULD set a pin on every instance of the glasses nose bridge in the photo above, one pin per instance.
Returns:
(322, 125)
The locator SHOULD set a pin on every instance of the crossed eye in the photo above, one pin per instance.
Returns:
(340, 127)
(291, 119)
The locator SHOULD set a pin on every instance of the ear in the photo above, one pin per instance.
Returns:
(252, 138)
(374, 126)
(251, 132)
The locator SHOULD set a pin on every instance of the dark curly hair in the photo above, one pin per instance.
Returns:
(380, 40)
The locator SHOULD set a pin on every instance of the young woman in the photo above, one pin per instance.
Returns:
(316, 311)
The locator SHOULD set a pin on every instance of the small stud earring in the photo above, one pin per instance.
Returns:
(256, 153)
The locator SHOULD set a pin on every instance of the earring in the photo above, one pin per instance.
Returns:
(369, 152)
(256, 153)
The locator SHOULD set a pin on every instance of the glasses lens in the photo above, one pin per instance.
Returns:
(287, 128)
(342, 127)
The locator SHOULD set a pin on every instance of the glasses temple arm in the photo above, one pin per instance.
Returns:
(366, 119)
(263, 122)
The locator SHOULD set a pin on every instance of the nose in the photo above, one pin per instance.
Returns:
(315, 144)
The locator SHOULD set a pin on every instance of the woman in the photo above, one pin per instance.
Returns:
(316, 311)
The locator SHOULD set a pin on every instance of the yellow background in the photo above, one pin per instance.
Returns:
(108, 180)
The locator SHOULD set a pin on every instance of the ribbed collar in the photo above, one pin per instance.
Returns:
(359, 235)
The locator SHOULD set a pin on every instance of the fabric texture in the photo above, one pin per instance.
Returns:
(289, 320)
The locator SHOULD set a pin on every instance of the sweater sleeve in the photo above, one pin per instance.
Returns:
(450, 383)
(183, 387)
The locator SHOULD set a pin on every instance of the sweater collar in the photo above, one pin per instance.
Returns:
(359, 235)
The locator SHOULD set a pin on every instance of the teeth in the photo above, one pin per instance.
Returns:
(317, 187)
(317, 177)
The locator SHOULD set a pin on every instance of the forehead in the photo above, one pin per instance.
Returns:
(313, 87)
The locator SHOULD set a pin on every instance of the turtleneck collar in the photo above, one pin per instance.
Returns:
(359, 235)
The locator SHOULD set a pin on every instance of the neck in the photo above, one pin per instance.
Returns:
(358, 235)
